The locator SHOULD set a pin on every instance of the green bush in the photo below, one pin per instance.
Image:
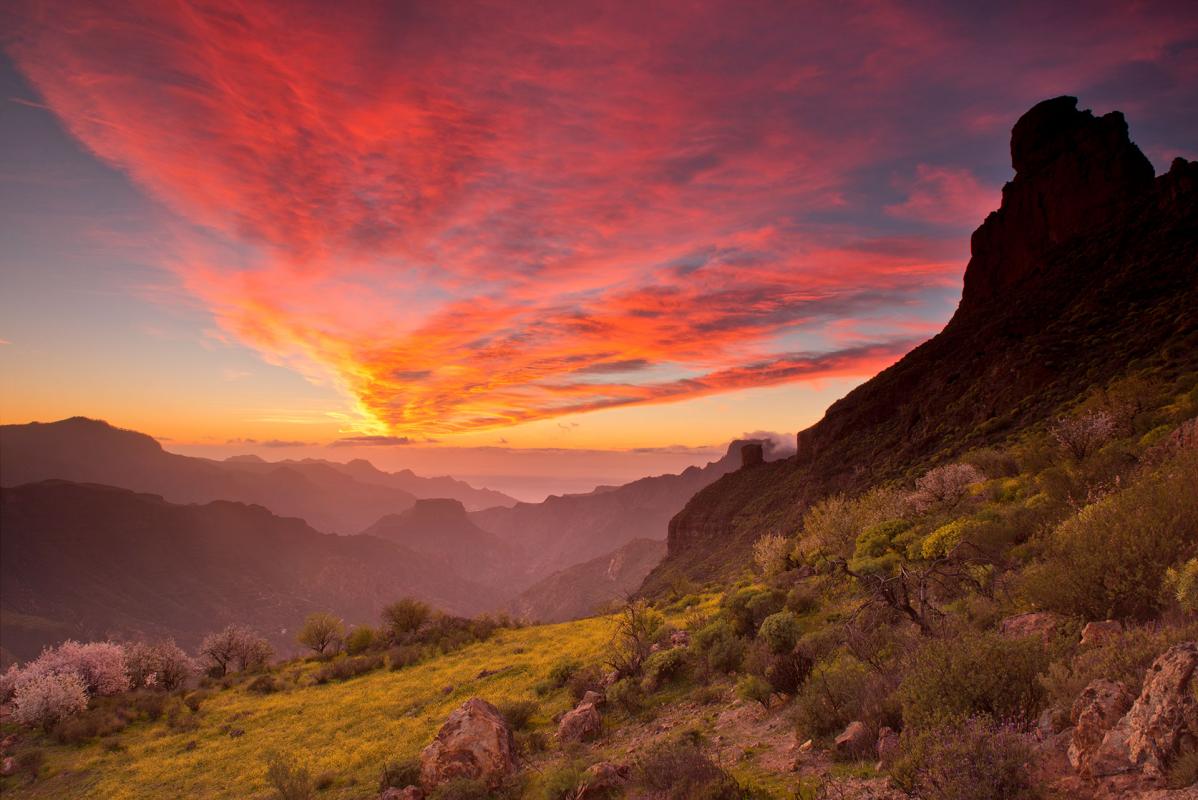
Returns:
(720, 649)
(1110, 559)
(834, 694)
(517, 713)
(780, 631)
(626, 695)
(949, 680)
(290, 779)
(802, 599)
(663, 666)
(1182, 583)
(746, 608)
(681, 771)
(359, 640)
(975, 759)
(585, 679)
(754, 689)
(404, 655)
(563, 782)
(463, 789)
(405, 616)
(561, 672)
(400, 774)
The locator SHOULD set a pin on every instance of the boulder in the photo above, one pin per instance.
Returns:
(888, 746)
(581, 724)
(7, 766)
(1096, 633)
(407, 793)
(475, 742)
(854, 740)
(1043, 624)
(602, 779)
(594, 698)
(1097, 709)
(1162, 719)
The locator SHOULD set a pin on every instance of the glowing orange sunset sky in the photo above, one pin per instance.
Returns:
(601, 225)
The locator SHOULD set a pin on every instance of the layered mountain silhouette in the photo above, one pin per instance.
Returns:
(441, 530)
(93, 561)
(587, 588)
(1088, 270)
(334, 498)
(568, 529)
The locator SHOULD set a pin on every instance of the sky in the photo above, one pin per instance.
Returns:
(549, 243)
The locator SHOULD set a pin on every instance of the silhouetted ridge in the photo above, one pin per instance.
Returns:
(1073, 172)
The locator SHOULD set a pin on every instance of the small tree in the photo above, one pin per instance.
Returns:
(637, 626)
(44, 696)
(1080, 436)
(405, 616)
(320, 632)
(772, 554)
(162, 665)
(235, 647)
(99, 665)
(944, 486)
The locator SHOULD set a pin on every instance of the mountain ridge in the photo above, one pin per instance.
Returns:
(1056, 303)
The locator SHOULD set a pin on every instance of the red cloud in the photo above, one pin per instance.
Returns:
(472, 215)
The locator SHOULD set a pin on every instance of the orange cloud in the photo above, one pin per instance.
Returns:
(474, 215)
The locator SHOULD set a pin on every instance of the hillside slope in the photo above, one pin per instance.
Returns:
(92, 561)
(1087, 272)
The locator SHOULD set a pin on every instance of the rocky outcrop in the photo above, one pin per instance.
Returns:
(888, 747)
(580, 725)
(1041, 624)
(475, 742)
(751, 455)
(1163, 719)
(1097, 633)
(1073, 172)
(602, 780)
(854, 740)
(1097, 709)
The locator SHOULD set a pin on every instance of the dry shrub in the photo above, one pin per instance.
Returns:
(975, 759)
(680, 770)
(973, 675)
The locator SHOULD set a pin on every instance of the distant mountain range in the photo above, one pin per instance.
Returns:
(565, 530)
(331, 497)
(441, 530)
(91, 561)
(186, 545)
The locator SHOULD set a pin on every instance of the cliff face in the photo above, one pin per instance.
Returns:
(1088, 269)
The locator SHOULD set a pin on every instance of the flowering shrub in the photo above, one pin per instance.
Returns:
(163, 665)
(43, 696)
(944, 486)
(100, 665)
(771, 554)
(237, 648)
(1081, 436)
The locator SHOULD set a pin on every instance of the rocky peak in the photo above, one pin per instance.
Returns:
(1073, 173)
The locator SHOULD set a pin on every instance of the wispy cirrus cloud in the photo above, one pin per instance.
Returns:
(474, 216)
